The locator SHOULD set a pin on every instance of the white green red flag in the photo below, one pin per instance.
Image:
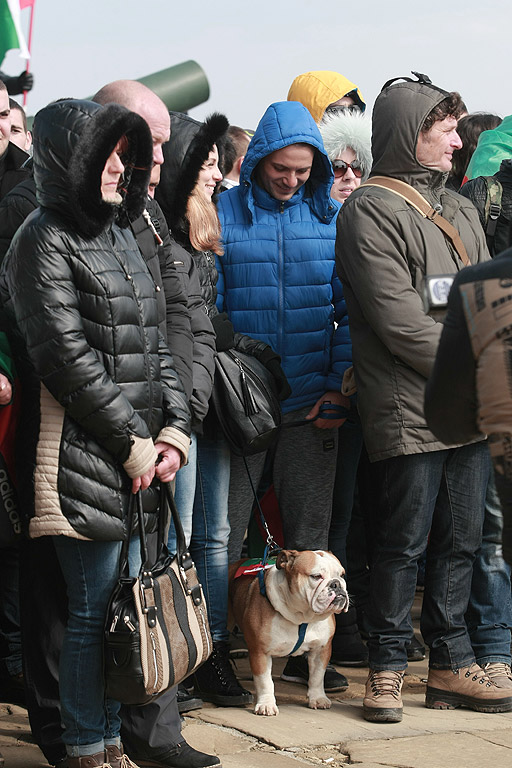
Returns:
(11, 34)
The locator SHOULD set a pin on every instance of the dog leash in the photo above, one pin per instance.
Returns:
(329, 411)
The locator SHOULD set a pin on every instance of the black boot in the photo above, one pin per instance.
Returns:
(215, 680)
(348, 648)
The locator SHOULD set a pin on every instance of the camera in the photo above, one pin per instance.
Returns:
(437, 290)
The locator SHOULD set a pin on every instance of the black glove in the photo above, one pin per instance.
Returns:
(25, 81)
(283, 388)
(224, 332)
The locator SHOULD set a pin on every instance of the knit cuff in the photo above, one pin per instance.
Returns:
(142, 456)
(176, 438)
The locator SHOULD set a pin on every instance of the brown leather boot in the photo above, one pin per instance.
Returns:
(500, 673)
(116, 757)
(382, 701)
(88, 761)
(467, 687)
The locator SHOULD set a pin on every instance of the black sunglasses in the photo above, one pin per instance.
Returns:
(341, 167)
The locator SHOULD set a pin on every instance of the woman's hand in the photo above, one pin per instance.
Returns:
(169, 461)
(144, 481)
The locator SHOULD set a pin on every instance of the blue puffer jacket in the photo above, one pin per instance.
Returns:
(277, 278)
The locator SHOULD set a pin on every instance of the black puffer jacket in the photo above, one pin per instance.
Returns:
(476, 191)
(98, 381)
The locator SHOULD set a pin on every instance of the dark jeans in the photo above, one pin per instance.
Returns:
(350, 442)
(10, 635)
(442, 492)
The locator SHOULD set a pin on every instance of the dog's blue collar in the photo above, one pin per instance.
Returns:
(302, 627)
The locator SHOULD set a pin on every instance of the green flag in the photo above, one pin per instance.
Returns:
(11, 35)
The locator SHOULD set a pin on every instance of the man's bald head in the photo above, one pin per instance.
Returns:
(140, 99)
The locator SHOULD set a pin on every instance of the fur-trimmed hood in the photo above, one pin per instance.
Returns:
(348, 130)
(72, 142)
(185, 153)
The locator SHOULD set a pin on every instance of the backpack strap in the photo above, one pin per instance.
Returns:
(492, 208)
(414, 198)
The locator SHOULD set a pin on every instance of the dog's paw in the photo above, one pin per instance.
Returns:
(266, 708)
(321, 702)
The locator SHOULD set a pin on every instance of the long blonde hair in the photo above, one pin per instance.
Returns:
(204, 225)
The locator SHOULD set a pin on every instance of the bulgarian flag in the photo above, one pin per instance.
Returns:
(11, 35)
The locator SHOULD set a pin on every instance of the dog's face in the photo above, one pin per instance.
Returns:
(315, 577)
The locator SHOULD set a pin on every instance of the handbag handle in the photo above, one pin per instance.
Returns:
(185, 562)
(167, 497)
(134, 506)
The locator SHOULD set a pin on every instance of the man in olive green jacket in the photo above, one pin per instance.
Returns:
(386, 248)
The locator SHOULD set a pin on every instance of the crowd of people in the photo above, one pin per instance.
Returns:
(135, 245)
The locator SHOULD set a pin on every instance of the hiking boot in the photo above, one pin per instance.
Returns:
(88, 761)
(186, 701)
(215, 680)
(499, 673)
(382, 701)
(116, 758)
(297, 671)
(467, 687)
(1, 760)
(180, 756)
(415, 650)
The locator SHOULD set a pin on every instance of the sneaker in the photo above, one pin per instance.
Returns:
(115, 757)
(297, 671)
(180, 756)
(467, 687)
(186, 701)
(415, 650)
(382, 701)
(499, 673)
(216, 681)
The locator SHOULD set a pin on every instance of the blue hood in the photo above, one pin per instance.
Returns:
(285, 123)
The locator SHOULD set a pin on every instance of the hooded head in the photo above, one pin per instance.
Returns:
(318, 90)
(184, 155)
(72, 142)
(283, 124)
(398, 117)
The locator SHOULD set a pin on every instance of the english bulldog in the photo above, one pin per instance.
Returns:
(301, 592)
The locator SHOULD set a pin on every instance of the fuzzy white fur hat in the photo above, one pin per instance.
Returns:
(348, 130)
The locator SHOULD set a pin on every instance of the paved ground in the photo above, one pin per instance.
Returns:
(299, 736)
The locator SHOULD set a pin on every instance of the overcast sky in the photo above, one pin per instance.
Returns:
(251, 52)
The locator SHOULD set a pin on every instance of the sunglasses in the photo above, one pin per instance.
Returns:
(340, 168)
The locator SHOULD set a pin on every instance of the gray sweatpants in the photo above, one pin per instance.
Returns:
(304, 471)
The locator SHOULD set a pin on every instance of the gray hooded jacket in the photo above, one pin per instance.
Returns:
(384, 250)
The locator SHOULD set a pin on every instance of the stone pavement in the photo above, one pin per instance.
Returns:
(299, 736)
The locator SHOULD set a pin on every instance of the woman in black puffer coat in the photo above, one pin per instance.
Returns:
(101, 400)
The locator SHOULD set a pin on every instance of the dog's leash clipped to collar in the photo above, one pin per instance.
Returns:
(263, 590)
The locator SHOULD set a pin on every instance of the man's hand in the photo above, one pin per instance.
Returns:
(169, 461)
(335, 398)
(144, 481)
(5, 390)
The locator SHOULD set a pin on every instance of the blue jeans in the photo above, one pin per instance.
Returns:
(442, 492)
(184, 492)
(489, 614)
(210, 527)
(90, 570)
